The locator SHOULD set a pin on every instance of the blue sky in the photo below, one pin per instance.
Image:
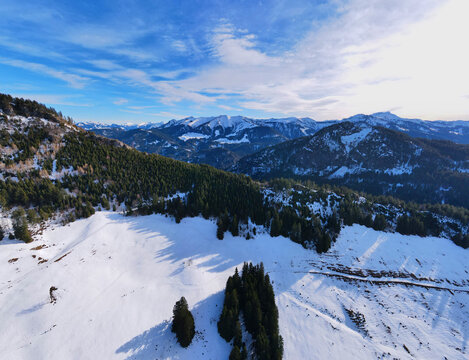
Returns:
(136, 61)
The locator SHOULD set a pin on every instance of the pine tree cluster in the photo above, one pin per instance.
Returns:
(251, 297)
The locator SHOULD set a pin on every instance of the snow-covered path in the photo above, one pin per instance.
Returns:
(119, 277)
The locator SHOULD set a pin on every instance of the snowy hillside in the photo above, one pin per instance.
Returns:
(373, 295)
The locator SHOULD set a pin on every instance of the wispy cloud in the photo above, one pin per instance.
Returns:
(120, 101)
(74, 80)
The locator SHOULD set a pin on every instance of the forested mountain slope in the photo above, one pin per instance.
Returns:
(219, 141)
(372, 159)
(52, 168)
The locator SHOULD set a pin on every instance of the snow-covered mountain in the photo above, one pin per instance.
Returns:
(456, 131)
(222, 140)
(218, 141)
(373, 295)
(366, 156)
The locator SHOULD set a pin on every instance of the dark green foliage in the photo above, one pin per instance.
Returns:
(20, 225)
(105, 202)
(220, 230)
(324, 243)
(333, 224)
(134, 178)
(2, 233)
(410, 225)
(32, 216)
(235, 353)
(461, 240)
(379, 223)
(276, 225)
(183, 323)
(27, 108)
(256, 302)
(234, 226)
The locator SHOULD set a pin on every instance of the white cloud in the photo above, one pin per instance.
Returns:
(373, 55)
(120, 101)
(229, 108)
(236, 50)
(75, 81)
(376, 55)
(105, 64)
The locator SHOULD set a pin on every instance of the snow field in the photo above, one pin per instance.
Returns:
(119, 277)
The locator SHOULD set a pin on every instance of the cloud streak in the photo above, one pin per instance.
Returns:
(74, 80)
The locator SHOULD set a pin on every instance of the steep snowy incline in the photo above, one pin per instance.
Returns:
(374, 295)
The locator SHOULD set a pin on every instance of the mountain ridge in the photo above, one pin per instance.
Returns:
(369, 158)
(222, 140)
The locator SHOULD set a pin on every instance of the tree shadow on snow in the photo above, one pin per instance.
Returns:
(32, 309)
(159, 342)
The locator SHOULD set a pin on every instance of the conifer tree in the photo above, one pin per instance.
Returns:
(234, 226)
(183, 323)
(276, 225)
(379, 223)
(257, 304)
(235, 353)
(20, 225)
(220, 231)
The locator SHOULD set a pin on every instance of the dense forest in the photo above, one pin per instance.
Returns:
(250, 299)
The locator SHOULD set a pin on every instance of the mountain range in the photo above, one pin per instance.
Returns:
(221, 141)
(370, 158)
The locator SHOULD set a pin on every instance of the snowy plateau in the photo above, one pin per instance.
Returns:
(374, 295)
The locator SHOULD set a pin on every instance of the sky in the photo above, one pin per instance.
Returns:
(116, 61)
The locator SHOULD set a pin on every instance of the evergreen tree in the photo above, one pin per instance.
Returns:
(235, 353)
(183, 323)
(324, 243)
(220, 231)
(276, 225)
(234, 226)
(20, 225)
(244, 352)
(379, 223)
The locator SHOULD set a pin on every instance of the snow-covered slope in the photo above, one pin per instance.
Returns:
(374, 295)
